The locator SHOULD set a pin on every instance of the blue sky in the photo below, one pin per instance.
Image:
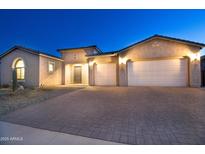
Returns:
(48, 30)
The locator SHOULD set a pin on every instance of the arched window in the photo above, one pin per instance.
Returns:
(20, 69)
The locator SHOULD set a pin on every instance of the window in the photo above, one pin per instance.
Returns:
(20, 69)
(51, 67)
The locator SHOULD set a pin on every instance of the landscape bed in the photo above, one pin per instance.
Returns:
(11, 101)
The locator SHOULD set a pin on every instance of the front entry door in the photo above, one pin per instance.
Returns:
(77, 74)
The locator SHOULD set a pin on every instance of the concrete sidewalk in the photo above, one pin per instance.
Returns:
(19, 134)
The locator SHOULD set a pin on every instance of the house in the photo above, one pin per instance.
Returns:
(33, 67)
(203, 71)
(156, 61)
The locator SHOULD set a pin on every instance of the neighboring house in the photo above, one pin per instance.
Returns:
(155, 61)
(203, 71)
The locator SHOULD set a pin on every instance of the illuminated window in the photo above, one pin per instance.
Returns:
(51, 67)
(20, 69)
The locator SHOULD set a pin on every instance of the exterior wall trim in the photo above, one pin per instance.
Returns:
(107, 55)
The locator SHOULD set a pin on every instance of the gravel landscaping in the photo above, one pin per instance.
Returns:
(11, 101)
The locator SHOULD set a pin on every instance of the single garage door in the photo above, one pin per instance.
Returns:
(158, 73)
(105, 74)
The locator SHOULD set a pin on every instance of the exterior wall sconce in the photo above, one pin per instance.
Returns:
(195, 56)
(122, 60)
(91, 63)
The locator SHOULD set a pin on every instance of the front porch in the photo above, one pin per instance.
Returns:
(76, 74)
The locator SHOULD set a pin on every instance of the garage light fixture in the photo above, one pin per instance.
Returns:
(91, 63)
(122, 60)
(195, 56)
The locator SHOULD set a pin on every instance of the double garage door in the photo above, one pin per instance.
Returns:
(172, 72)
(158, 73)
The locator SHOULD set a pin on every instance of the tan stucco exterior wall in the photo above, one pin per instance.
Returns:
(103, 59)
(69, 73)
(31, 67)
(72, 58)
(159, 49)
(45, 77)
(195, 74)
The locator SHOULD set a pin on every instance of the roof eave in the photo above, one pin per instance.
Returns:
(102, 55)
(34, 52)
(200, 45)
(52, 57)
(93, 46)
(17, 47)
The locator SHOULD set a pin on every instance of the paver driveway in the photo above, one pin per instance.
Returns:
(131, 115)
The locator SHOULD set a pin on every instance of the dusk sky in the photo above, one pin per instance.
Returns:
(48, 30)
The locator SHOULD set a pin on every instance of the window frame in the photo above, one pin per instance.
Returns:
(20, 69)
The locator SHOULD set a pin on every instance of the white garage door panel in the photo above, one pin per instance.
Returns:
(105, 74)
(158, 73)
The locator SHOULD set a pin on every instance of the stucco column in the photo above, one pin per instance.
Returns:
(91, 74)
(63, 74)
(123, 74)
(117, 71)
(195, 73)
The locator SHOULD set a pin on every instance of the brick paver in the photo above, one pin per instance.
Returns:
(131, 115)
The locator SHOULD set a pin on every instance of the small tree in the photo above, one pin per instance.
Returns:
(14, 80)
